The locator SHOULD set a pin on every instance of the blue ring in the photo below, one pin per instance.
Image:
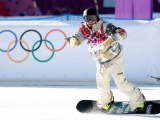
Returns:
(15, 41)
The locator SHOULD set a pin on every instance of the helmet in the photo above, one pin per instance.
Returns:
(91, 14)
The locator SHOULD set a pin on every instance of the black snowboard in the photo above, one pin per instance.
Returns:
(119, 107)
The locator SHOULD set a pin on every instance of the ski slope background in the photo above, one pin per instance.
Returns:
(59, 103)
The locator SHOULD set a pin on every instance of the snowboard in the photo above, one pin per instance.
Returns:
(119, 107)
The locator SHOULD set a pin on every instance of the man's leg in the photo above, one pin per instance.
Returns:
(103, 86)
(134, 94)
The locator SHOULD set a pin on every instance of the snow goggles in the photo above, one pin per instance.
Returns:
(90, 18)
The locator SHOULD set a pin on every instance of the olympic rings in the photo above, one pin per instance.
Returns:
(37, 58)
(15, 39)
(29, 31)
(18, 61)
(47, 36)
(33, 47)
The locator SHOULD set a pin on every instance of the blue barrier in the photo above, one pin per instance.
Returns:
(63, 17)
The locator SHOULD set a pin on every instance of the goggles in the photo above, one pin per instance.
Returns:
(90, 18)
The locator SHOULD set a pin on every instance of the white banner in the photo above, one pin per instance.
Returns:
(36, 51)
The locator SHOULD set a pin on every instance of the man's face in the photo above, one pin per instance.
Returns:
(91, 23)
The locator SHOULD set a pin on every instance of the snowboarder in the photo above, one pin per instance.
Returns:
(107, 52)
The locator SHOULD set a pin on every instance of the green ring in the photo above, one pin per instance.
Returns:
(36, 57)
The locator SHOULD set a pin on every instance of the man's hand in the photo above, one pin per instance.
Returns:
(105, 45)
(73, 41)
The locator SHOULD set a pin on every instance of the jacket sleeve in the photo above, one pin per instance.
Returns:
(81, 32)
(76, 39)
(117, 33)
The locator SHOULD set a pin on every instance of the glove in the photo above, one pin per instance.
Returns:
(73, 41)
(105, 45)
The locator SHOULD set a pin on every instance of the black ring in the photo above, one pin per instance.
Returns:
(37, 33)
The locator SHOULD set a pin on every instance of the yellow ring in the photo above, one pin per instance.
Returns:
(17, 61)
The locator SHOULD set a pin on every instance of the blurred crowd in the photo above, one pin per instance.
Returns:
(54, 7)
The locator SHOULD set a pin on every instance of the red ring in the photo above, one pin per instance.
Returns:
(51, 48)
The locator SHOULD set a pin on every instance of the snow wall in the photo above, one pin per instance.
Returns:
(26, 59)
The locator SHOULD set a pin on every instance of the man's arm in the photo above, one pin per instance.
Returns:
(77, 39)
(117, 33)
(113, 33)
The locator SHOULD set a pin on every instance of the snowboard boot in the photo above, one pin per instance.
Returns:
(108, 106)
(141, 109)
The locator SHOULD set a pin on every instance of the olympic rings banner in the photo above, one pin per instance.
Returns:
(32, 49)
(38, 52)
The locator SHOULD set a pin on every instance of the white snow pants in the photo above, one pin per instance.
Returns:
(116, 69)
